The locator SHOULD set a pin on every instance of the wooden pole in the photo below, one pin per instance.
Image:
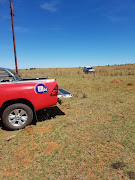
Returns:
(12, 15)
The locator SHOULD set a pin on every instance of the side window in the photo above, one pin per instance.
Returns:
(4, 76)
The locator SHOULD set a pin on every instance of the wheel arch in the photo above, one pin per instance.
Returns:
(14, 101)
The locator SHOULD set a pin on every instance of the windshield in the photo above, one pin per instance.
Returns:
(89, 68)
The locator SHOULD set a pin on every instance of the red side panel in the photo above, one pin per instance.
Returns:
(38, 93)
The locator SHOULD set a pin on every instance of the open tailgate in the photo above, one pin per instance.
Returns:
(64, 93)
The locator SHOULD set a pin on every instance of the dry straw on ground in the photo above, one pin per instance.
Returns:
(83, 137)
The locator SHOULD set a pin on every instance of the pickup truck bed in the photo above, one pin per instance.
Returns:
(22, 97)
(38, 92)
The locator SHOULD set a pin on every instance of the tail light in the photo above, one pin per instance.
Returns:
(54, 91)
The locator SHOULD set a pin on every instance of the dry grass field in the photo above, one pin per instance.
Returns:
(90, 136)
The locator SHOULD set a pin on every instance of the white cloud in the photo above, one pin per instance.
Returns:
(51, 6)
(4, 18)
(20, 29)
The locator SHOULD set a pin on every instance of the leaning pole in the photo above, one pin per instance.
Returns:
(12, 15)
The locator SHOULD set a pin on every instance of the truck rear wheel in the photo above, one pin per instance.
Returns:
(17, 116)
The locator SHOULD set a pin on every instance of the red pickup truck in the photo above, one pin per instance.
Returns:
(21, 98)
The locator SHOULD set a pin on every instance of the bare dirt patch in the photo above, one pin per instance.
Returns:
(44, 129)
(26, 154)
(7, 172)
(27, 161)
(51, 146)
(38, 130)
(130, 84)
(116, 81)
(29, 128)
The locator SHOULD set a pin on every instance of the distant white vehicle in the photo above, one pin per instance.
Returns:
(88, 69)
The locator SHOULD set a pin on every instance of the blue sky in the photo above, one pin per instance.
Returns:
(68, 33)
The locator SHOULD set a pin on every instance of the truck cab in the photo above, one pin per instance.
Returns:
(88, 69)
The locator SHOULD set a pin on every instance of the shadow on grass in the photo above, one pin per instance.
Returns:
(48, 113)
(42, 115)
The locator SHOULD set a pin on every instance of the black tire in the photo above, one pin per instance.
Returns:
(17, 116)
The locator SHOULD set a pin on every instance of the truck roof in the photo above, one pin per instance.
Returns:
(88, 66)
